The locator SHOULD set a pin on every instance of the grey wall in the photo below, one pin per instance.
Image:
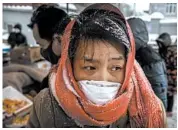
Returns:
(169, 28)
(161, 7)
(157, 7)
(22, 17)
(155, 27)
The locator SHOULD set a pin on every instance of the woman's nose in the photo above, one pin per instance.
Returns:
(104, 75)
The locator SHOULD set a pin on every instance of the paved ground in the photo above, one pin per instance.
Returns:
(172, 122)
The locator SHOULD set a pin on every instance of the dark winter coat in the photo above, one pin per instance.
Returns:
(152, 64)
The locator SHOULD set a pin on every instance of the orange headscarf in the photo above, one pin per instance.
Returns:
(135, 97)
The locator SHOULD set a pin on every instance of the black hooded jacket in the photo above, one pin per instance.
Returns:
(151, 62)
(16, 39)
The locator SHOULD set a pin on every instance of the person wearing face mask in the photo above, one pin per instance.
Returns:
(169, 53)
(48, 23)
(98, 82)
(44, 23)
(16, 38)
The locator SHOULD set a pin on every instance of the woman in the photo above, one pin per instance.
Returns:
(97, 82)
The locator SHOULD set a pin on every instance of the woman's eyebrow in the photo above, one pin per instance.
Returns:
(116, 58)
(88, 59)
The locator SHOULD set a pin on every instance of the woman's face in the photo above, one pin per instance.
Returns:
(99, 61)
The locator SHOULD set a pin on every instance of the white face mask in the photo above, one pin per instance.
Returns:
(99, 92)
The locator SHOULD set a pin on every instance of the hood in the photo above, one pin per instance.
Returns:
(139, 31)
(64, 61)
(164, 39)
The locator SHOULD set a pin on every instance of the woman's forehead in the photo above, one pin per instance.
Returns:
(98, 48)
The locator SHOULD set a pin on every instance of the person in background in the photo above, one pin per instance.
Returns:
(169, 53)
(48, 23)
(152, 64)
(43, 23)
(16, 38)
(98, 82)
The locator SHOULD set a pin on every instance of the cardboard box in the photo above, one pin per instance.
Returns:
(25, 55)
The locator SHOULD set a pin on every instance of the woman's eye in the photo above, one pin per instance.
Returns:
(115, 68)
(89, 68)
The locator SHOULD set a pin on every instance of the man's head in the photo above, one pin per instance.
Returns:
(44, 23)
(164, 40)
(17, 28)
(139, 31)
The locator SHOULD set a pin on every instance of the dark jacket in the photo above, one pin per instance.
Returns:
(47, 113)
(152, 64)
(169, 54)
(16, 39)
(171, 64)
